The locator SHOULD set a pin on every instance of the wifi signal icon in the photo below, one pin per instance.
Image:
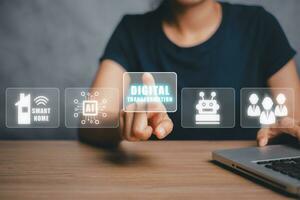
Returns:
(41, 100)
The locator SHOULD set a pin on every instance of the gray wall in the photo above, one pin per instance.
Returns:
(46, 43)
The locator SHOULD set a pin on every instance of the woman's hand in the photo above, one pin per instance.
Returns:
(135, 126)
(286, 125)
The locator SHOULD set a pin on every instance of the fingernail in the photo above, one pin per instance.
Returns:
(161, 132)
(263, 142)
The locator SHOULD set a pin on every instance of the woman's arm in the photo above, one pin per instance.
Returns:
(109, 75)
(287, 77)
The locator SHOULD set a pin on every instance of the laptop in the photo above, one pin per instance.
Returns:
(276, 165)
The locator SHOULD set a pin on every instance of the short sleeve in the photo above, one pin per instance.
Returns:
(277, 50)
(118, 47)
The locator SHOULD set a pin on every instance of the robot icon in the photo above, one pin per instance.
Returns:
(207, 110)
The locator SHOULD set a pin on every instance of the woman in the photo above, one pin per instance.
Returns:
(208, 44)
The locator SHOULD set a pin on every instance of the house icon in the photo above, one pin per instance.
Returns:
(24, 109)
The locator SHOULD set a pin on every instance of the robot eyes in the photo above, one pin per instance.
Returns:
(210, 104)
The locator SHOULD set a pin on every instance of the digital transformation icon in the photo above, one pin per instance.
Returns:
(261, 108)
(91, 108)
(32, 107)
(207, 107)
(150, 92)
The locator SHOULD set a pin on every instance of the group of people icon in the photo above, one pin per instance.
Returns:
(267, 116)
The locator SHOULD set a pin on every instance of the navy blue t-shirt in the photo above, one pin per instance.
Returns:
(248, 48)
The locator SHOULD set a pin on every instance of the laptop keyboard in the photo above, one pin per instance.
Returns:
(288, 166)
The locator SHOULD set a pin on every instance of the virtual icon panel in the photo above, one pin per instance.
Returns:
(91, 108)
(149, 92)
(261, 108)
(207, 107)
(32, 108)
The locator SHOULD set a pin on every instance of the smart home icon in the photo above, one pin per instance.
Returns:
(41, 113)
(32, 107)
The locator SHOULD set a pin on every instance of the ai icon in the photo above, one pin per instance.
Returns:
(90, 108)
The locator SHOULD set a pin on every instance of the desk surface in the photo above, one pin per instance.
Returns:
(143, 170)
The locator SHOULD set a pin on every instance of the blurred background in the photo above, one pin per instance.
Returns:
(46, 43)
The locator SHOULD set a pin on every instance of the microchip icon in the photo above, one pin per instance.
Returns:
(89, 108)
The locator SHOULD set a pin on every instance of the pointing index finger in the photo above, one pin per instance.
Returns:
(158, 106)
(148, 79)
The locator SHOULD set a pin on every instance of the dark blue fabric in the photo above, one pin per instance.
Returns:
(248, 48)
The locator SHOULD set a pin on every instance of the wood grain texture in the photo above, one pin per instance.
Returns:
(143, 170)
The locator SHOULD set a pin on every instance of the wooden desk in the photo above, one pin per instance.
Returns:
(145, 170)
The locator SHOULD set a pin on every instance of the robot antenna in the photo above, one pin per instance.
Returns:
(201, 94)
(213, 94)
